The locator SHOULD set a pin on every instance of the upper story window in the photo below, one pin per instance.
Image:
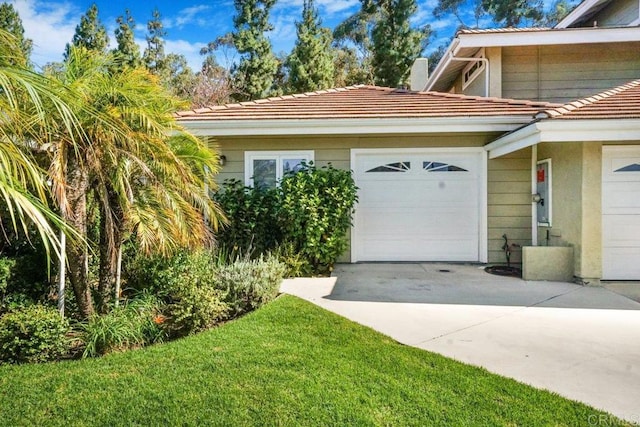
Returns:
(473, 70)
(267, 168)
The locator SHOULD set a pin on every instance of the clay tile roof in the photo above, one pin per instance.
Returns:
(362, 101)
(622, 102)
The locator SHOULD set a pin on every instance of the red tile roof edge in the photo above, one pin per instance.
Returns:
(213, 108)
(567, 108)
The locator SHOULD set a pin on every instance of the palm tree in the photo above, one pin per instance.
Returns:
(141, 179)
(26, 100)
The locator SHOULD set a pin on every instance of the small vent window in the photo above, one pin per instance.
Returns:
(392, 167)
(441, 167)
(473, 70)
(633, 167)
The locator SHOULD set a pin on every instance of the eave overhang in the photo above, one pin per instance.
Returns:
(364, 126)
(549, 130)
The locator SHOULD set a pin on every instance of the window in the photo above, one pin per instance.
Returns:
(266, 168)
(441, 167)
(473, 70)
(633, 167)
(392, 167)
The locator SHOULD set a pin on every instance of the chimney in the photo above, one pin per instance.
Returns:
(419, 74)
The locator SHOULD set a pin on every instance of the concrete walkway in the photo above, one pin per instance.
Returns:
(581, 342)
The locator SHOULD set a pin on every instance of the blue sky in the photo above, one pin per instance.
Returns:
(190, 24)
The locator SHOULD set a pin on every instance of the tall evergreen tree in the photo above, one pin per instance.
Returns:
(90, 34)
(311, 61)
(255, 73)
(127, 49)
(154, 56)
(396, 45)
(511, 13)
(10, 22)
(352, 38)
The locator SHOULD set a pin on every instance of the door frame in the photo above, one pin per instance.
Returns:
(482, 188)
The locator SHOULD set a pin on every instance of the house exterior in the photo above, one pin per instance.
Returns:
(446, 170)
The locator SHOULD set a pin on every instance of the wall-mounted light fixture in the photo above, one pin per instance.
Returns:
(222, 160)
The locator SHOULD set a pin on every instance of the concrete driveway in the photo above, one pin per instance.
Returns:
(581, 342)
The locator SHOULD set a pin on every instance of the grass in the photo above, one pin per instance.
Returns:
(289, 363)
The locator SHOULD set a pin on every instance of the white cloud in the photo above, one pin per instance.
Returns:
(190, 50)
(189, 15)
(50, 25)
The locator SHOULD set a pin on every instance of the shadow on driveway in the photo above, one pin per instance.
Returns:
(463, 284)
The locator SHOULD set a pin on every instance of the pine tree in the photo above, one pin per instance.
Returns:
(90, 33)
(10, 21)
(154, 56)
(511, 13)
(311, 63)
(254, 75)
(127, 50)
(395, 44)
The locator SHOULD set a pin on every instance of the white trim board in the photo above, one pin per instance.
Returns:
(355, 126)
(559, 130)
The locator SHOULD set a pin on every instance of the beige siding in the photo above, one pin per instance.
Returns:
(509, 207)
(616, 13)
(509, 203)
(564, 73)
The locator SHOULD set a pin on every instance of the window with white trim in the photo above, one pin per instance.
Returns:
(473, 69)
(267, 168)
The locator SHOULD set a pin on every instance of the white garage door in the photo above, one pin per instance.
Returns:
(621, 213)
(418, 205)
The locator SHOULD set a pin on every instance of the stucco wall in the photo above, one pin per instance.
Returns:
(567, 72)
(509, 210)
(577, 199)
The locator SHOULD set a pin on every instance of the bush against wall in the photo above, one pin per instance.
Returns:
(304, 221)
(33, 334)
(253, 222)
(316, 207)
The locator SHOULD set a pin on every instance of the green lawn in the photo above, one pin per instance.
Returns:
(290, 363)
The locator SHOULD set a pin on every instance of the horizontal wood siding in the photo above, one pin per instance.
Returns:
(509, 204)
(616, 13)
(509, 207)
(562, 73)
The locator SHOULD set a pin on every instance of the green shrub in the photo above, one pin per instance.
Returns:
(135, 324)
(316, 210)
(33, 334)
(295, 264)
(253, 222)
(249, 284)
(185, 284)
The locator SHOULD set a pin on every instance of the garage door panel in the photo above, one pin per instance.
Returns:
(621, 263)
(418, 214)
(621, 213)
(620, 230)
(621, 197)
(404, 250)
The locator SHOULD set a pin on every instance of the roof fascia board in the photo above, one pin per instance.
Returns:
(577, 13)
(354, 126)
(585, 130)
(442, 65)
(550, 37)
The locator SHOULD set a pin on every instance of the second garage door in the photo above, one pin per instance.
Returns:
(621, 213)
(418, 205)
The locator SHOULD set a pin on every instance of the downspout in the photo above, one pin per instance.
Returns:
(486, 69)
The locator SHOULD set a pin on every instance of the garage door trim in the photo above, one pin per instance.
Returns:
(482, 188)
